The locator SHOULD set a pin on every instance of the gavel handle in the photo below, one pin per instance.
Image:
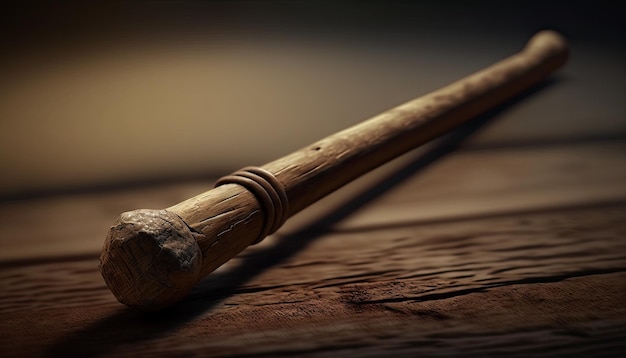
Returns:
(152, 258)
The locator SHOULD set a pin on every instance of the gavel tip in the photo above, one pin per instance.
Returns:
(550, 42)
(150, 259)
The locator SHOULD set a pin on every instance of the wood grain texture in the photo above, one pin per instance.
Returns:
(534, 279)
(541, 283)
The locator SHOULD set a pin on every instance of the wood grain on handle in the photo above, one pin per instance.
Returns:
(152, 258)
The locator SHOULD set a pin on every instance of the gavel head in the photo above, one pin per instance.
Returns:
(150, 259)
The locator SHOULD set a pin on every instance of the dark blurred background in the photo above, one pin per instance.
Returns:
(101, 94)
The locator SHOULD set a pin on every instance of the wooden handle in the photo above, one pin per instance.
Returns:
(152, 258)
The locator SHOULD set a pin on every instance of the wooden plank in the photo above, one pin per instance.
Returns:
(539, 283)
(499, 181)
(466, 183)
(512, 321)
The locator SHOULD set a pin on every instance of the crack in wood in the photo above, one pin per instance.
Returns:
(442, 296)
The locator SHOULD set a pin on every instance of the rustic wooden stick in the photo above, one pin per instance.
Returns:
(152, 258)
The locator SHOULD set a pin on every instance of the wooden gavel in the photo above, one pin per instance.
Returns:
(152, 258)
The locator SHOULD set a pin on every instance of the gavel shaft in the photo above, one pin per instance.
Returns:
(230, 217)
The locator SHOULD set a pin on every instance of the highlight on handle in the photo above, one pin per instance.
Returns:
(152, 258)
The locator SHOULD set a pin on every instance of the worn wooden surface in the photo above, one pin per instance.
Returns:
(522, 252)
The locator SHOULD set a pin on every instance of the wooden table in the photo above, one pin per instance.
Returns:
(501, 251)
(506, 238)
